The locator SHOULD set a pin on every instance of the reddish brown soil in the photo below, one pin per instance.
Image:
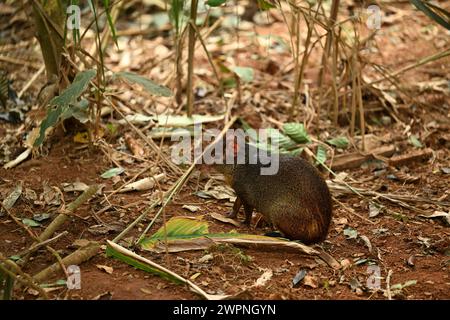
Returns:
(406, 234)
(226, 273)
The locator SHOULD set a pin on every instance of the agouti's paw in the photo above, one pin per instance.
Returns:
(248, 220)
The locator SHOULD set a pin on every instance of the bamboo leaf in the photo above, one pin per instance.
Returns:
(244, 73)
(265, 5)
(297, 132)
(339, 142)
(321, 155)
(147, 84)
(215, 3)
(74, 91)
(106, 4)
(185, 234)
(110, 252)
(436, 13)
(62, 102)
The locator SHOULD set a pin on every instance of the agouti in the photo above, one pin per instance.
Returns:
(295, 200)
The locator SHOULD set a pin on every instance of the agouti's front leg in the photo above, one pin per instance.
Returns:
(248, 210)
(236, 206)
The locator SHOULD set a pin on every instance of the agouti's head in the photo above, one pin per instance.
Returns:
(223, 155)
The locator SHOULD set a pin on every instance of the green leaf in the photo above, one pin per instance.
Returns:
(15, 258)
(62, 102)
(176, 15)
(321, 154)
(415, 141)
(244, 73)
(350, 233)
(50, 121)
(436, 13)
(277, 141)
(296, 152)
(177, 228)
(339, 142)
(215, 3)
(106, 4)
(265, 5)
(30, 223)
(112, 173)
(185, 233)
(110, 252)
(79, 111)
(228, 83)
(147, 84)
(297, 132)
(73, 92)
(41, 217)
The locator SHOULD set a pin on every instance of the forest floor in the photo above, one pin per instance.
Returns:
(412, 249)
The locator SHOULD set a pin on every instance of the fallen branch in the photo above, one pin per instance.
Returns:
(76, 258)
(63, 216)
(411, 157)
(355, 159)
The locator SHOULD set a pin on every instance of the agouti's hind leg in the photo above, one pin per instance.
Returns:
(236, 206)
(248, 214)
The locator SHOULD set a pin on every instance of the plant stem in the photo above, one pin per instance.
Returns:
(191, 48)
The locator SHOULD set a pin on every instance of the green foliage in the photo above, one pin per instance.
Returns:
(177, 229)
(244, 73)
(339, 142)
(176, 15)
(147, 84)
(297, 132)
(63, 102)
(436, 13)
(415, 141)
(110, 252)
(321, 155)
(106, 3)
(265, 5)
(215, 3)
(112, 173)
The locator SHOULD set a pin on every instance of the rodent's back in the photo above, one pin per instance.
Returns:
(296, 200)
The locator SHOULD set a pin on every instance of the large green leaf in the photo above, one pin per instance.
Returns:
(177, 228)
(436, 13)
(277, 138)
(110, 252)
(184, 234)
(51, 119)
(149, 85)
(297, 132)
(62, 102)
(73, 92)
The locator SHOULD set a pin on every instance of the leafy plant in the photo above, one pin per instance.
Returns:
(433, 11)
(63, 102)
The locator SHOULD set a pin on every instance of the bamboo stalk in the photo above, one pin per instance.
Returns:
(191, 50)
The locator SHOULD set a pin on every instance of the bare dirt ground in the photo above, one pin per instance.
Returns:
(413, 249)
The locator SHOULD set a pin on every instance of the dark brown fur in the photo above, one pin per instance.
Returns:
(296, 200)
